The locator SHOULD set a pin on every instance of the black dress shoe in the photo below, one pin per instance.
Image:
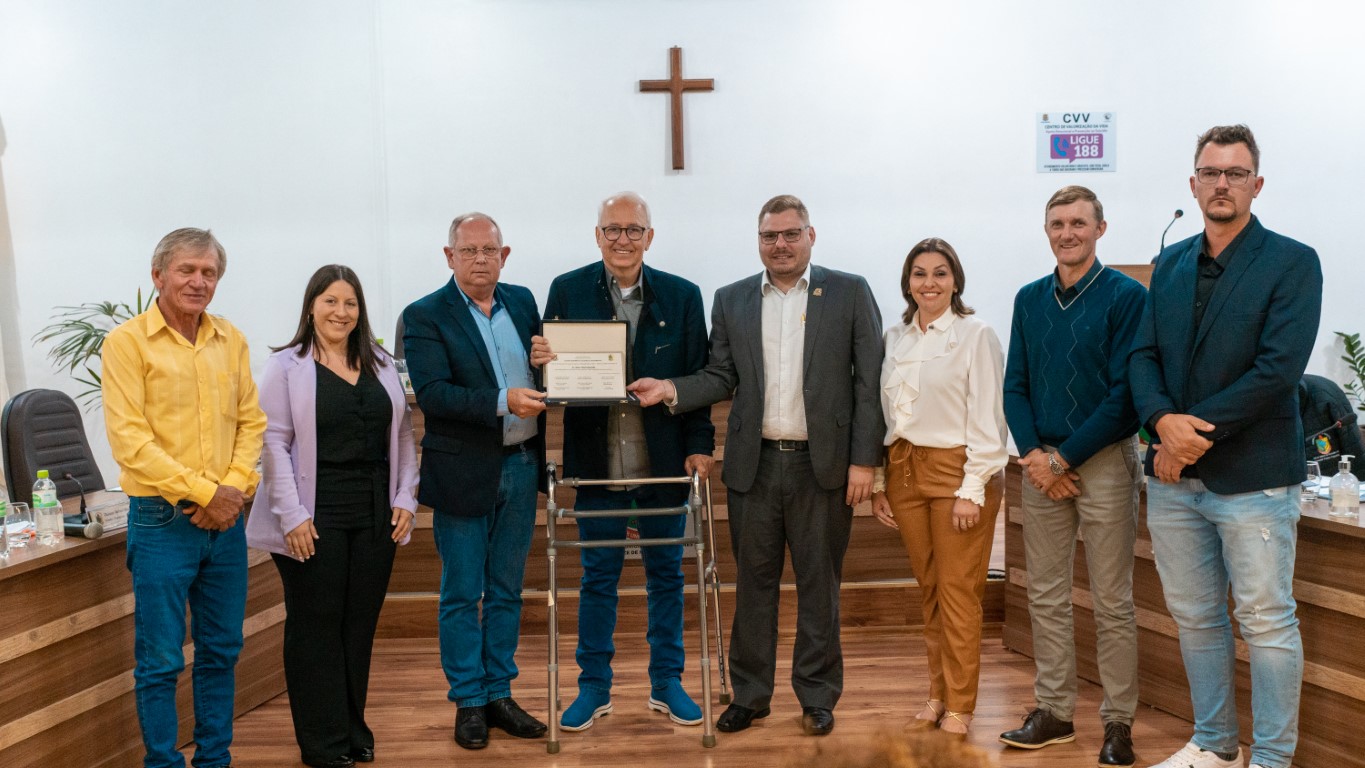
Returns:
(344, 761)
(362, 754)
(505, 714)
(1040, 729)
(471, 727)
(737, 718)
(816, 721)
(1118, 746)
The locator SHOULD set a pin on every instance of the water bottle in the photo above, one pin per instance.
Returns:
(1345, 490)
(47, 511)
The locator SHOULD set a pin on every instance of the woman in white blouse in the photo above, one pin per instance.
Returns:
(941, 488)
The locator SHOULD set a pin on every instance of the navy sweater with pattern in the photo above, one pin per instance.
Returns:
(1066, 376)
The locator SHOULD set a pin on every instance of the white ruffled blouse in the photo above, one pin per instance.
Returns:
(943, 388)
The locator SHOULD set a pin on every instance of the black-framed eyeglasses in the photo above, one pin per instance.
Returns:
(613, 232)
(470, 253)
(1236, 177)
(790, 235)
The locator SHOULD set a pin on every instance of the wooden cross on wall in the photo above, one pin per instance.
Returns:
(676, 86)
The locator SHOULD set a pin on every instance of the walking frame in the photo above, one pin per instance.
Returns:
(703, 537)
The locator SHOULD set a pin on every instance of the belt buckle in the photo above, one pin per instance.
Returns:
(788, 446)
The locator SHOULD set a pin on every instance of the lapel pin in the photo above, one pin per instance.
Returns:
(818, 292)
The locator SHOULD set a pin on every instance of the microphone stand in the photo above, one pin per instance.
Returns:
(85, 527)
(1178, 214)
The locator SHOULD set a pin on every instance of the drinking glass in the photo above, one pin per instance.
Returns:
(1310, 486)
(19, 525)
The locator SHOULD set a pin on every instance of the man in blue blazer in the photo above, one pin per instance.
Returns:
(467, 349)
(667, 336)
(1229, 324)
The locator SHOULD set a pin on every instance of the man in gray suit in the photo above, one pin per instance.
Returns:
(800, 348)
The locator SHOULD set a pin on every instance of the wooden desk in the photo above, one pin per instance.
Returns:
(66, 653)
(1331, 598)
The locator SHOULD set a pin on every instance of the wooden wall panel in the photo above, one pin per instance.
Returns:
(876, 559)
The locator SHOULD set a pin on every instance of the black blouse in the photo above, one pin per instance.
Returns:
(353, 445)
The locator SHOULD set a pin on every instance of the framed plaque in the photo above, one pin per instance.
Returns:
(590, 362)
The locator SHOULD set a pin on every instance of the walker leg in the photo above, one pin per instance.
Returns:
(552, 619)
(724, 697)
(714, 578)
(708, 738)
(552, 615)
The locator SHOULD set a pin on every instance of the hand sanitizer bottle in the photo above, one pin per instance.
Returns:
(1345, 490)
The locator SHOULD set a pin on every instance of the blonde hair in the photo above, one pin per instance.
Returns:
(190, 239)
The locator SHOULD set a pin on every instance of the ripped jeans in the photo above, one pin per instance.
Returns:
(1202, 542)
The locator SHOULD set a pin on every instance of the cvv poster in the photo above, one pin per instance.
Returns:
(1080, 141)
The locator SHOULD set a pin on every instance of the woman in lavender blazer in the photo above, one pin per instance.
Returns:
(337, 495)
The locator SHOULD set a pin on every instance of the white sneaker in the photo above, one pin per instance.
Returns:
(1192, 756)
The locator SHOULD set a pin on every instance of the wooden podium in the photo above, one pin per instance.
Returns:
(66, 652)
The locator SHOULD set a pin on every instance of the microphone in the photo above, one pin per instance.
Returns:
(85, 528)
(1178, 214)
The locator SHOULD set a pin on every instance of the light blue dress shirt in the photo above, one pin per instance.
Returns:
(510, 364)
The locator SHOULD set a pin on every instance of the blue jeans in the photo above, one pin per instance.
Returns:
(1203, 541)
(174, 562)
(601, 572)
(484, 559)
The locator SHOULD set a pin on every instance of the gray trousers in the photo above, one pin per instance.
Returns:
(1106, 514)
(787, 509)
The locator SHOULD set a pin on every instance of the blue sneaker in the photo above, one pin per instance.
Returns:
(590, 705)
(671, 699)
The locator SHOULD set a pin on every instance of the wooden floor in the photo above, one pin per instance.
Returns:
(884, 685)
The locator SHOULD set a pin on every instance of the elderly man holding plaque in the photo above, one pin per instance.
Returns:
(665, 335)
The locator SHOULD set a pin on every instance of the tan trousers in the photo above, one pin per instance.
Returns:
(950, 565)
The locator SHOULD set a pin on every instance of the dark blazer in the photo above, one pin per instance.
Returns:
(842, 362)
(1240, 369)
(670, 341)
(458, 394)
(1329, 425)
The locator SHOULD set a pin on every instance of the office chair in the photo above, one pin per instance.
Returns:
(42, 429)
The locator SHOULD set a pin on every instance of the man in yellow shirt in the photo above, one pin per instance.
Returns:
(181, 412)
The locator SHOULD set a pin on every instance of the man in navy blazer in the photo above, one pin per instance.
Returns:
(1229, 324)
(667, 337)
(467, 347)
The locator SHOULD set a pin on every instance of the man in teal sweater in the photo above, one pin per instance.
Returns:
(1068, 406)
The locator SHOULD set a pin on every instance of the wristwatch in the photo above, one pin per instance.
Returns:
(1054, 465)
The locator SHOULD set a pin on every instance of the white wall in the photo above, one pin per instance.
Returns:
(352, 131)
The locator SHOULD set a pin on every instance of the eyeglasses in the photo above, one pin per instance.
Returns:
(1236, 176)
(790, 235)
(470, 253)
(613, 232)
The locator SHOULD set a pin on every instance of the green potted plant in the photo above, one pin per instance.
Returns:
(77, 334)
(1355, 362)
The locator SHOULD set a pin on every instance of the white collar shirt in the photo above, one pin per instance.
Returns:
(943, 388)
(784, 340)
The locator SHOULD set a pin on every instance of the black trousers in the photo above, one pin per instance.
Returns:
(786, 509)
(332, 603)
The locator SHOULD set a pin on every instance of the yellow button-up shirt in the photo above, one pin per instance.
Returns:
(182, 418)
